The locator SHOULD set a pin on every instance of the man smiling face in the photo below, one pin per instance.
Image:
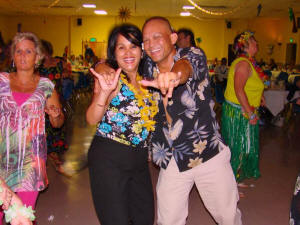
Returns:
(159, 40)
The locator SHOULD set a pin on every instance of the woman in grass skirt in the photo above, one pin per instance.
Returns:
(243, 95)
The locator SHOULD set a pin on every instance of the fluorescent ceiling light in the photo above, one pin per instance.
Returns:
(188, 7)
(88, 5)
(100, 12)
(185, 14)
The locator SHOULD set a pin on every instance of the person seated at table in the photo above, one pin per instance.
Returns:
(88, 54)
(290, 68)
(272, 65)
(221, 72)
(72, 59)
(215, 63)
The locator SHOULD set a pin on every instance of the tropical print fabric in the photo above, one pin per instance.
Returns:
(295, 206)
(193, 137)
(55, 136)
(22, 137)
(122, 120)
(53, 73)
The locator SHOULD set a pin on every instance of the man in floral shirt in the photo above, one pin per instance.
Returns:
(186, 143)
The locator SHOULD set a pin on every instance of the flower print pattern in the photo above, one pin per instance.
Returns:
(195, 162)
(200, 146)
(203, 84)
(23, 148)
(104, 127)
(187, 99)
(126, 92)
(115, 101)
(54, 135)
(136, 140)
(196, 138)
(123, 121)
(161, 155)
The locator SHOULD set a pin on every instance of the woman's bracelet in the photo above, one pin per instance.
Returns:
(249, 117)
(252, 117)
(14, 210)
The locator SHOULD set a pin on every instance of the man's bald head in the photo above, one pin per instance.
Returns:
(163, 20)
(159, 40)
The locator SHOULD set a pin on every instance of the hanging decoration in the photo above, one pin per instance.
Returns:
(199, 18)
(259, 7)
(291, 14)
(216, 13)
(124, 13)
(198, 40)
(292, 18)
(53, 3)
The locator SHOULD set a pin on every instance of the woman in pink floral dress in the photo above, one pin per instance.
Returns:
(24, 99)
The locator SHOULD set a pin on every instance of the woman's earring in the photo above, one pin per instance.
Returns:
(13, 64)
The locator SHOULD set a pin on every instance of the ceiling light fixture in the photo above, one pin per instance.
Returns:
(88, 5)
(100, 12)
(188, 7)
(185, 14)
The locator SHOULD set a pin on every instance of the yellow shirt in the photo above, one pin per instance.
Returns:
(254, 86)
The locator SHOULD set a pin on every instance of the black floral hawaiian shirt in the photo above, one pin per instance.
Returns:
(193, 137)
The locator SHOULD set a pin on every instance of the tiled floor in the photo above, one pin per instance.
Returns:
(67, 201)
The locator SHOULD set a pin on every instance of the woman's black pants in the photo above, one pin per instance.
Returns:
(120, 183)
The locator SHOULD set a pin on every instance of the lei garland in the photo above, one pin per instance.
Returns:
(257, 68)
(142, 96)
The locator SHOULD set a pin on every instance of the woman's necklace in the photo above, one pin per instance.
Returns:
(257, 68)
(142, 96)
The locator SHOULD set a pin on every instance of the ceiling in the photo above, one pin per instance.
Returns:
(170, 8)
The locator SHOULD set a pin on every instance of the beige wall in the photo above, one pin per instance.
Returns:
(63, 31)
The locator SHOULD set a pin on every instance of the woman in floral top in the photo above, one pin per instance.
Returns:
(119, 174)
(24, 99)
(53, 69)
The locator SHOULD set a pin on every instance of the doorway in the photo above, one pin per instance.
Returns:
(291, 52)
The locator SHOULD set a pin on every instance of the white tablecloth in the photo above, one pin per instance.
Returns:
(276, 99)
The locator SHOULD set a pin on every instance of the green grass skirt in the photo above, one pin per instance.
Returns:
(243, 141)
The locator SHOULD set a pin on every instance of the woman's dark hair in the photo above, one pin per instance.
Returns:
(188, 32)
(47, 47)
(130, 32)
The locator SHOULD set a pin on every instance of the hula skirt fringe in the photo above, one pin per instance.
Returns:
(243, 141)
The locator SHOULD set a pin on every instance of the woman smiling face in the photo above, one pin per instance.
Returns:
(127, 55)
